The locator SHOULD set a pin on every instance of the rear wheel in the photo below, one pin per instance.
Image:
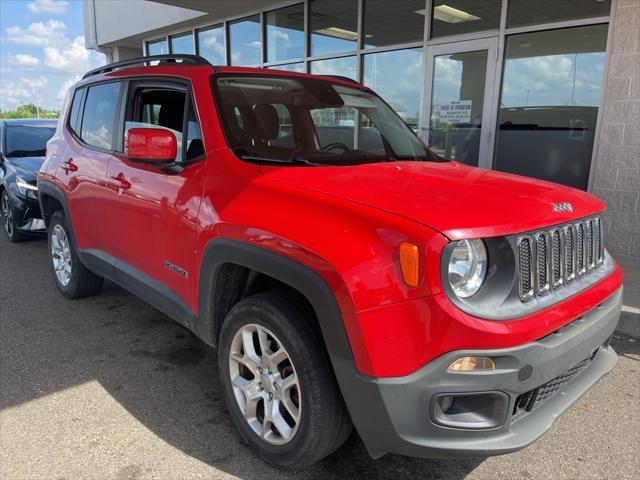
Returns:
(7, 218)
(73, 279)
(277, 381)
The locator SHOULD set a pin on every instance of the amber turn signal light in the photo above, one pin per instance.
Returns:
(472, 364)
(409, 263)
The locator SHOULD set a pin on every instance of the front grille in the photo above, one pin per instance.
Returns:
(528, 401)
(550, 259)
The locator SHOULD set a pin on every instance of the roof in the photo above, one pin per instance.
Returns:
(30, 121)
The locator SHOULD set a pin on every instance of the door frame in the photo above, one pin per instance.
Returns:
(489, 109)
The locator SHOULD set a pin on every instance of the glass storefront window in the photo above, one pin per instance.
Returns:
(388, 22)
(182, 43)
(211, 45)
(397, 76)
(526, 12)
(159, 47)
(245, 41)
(334, 26)
(551, 90)
(457, 105)
(345, 67)
(285, 33)
(290, 67)
(453, 17)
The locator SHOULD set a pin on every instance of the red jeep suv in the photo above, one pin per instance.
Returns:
(347, 275)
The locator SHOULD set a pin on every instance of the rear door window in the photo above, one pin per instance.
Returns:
(99, 116)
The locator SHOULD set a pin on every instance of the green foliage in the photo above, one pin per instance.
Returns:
(29, 111)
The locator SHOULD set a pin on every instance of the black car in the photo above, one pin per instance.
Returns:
(22, 150)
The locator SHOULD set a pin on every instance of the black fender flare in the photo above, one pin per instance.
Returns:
(307, 281)
(47, 188)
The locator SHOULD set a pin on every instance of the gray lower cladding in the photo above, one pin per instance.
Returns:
(397, 415)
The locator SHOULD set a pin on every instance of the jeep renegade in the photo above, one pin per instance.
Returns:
(348, 276)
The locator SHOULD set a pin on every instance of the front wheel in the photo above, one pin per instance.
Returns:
(277, 381)
(73, 279)
(7, 218)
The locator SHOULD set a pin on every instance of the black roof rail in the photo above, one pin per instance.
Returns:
(172, 58)
(342, 77)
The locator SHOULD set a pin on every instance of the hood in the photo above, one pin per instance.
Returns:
(457, 200)
(26, 167)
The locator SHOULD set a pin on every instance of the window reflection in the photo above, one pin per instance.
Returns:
(285, 33)
(290, 67)
(526, 12)
(245, 42)
(211, 45)
(396, 76)
(345, 67)
(453, 17)
(182, 44)
(334, 26)
(457, 104)
(393, 21)
(159, 47)
(551, 90)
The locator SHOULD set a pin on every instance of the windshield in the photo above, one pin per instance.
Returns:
(312, 121)
(27, 141)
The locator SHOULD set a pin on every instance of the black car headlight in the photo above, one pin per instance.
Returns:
(26, 189)
(467, 267)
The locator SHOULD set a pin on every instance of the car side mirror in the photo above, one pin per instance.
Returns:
(150, 145)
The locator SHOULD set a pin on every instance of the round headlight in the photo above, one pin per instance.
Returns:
(467, 267)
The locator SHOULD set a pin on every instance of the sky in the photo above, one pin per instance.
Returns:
(42, 51)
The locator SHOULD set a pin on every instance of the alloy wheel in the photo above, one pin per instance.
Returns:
(265, 384)
(7, 215)
(61, 254)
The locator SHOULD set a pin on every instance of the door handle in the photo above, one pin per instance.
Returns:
(69, 166)
(120, 182)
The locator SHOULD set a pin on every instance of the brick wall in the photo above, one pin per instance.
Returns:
(617, 165)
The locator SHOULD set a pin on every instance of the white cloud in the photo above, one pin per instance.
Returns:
(38, 34)
(24, 60)
(56, 7)
(25, 90)
(64, 88)
(72, 57)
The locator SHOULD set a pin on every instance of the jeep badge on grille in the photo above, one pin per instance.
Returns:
(562, 207)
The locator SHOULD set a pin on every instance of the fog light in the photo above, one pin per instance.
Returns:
(472, 364)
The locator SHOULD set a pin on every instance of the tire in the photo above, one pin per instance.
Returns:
(323, 423)
(7, 219)
(72, 278)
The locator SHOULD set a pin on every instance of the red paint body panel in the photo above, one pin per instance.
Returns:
(346, 223)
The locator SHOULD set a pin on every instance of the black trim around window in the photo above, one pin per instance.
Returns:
(122, 102)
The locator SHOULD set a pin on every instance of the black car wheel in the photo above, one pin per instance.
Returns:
(7, 218)
(278, 382)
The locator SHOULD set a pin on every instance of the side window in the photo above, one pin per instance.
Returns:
(99, 116)
(75, 110)
(195, 146)
(164, 108)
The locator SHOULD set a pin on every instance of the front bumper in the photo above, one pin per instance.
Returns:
(27, 215)
(400, 415)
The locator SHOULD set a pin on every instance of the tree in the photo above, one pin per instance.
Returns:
(29, 110)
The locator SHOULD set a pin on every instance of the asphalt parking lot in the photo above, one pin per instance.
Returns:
(108, 387)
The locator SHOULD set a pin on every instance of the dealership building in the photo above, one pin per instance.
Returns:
(544, 88)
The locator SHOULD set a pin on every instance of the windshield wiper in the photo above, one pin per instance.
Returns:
(27, 153)
(255, 158)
